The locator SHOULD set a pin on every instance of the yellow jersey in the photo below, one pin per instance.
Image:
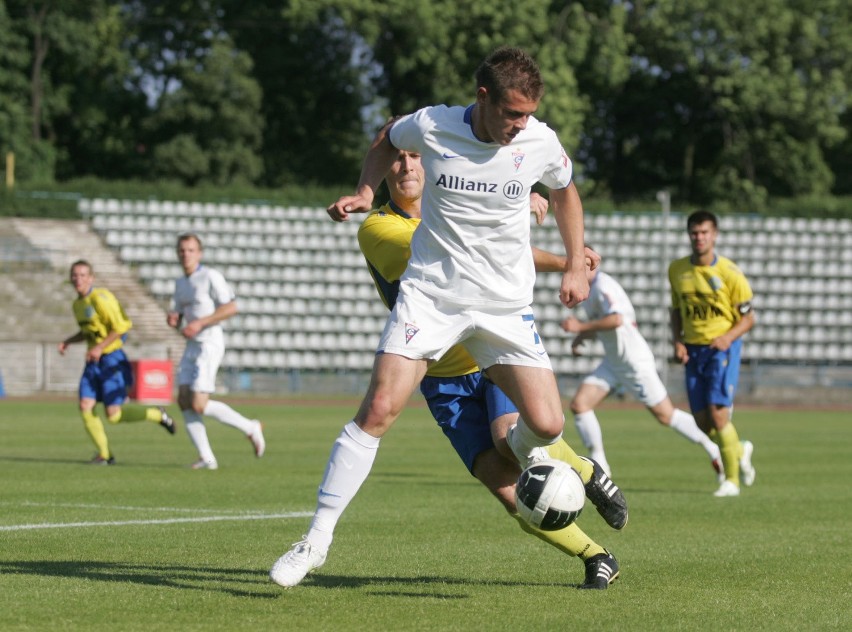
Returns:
(99, 313)
(385, 240)
(707, 297)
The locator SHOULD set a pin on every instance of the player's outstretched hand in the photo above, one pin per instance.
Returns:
(339, 211)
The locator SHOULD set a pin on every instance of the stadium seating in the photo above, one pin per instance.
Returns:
(307, 301)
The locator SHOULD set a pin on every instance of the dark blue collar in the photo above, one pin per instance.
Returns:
(398, 210)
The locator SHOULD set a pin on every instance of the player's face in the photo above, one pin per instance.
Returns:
(501, 121)
(703, 237)
(189, 255)
(405, 178)
(82, 279)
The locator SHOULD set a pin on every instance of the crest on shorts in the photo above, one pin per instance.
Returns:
(410, 331)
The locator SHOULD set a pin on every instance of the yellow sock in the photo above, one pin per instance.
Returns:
(561, 451)
(95, 428)
(731, 448)
(571, 540)
(136, 412)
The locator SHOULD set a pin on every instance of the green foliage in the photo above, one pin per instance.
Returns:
(423, 546)
(721, 103)
(209, 129)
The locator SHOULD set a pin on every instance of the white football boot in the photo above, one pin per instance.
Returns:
(257, 440)
(727, 489)
(292, 567)
(747, 471)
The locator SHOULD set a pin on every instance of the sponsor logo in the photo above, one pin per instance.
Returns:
(457, 183)
(513, 189)
(155, 379)
(538, 477)
(449, 156)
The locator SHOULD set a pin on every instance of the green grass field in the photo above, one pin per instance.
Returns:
(151, 545)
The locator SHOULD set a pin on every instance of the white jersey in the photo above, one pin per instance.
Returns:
(198, 295)
(473, 244)
(624, 343)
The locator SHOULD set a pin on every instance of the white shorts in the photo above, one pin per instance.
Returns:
(422, 327)
(641, 380)
(199, 365)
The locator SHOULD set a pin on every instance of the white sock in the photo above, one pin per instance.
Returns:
(220, 411)
(198, 435)
(524, 442)
(348, 466)
(589, 429)
(684, 423)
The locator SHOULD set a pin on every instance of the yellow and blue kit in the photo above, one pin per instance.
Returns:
(98, 314)
(711, 299)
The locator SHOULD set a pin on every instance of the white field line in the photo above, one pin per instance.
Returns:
(27, 503)
(118, 523)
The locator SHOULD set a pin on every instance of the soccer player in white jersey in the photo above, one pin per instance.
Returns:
(469, 279)
(202, 300)
(628, 362)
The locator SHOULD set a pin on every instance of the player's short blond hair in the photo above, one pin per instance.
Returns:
(186, 237)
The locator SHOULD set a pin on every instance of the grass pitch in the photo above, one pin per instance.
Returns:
(150, 544)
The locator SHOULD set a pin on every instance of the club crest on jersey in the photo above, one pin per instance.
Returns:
(410, 331)
(517, 158)
(715, 283)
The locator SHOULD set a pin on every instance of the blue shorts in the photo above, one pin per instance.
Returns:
(107, 380)
(712, 376)
(464, 408)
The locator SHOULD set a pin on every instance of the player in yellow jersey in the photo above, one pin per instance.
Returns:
(711, 311)
(473, 413)
(107, 376)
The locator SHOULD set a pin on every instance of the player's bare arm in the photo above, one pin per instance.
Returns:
(680, 352)
(568, 211)
(223, 312)
(742, 326)
(94, 354)
(377, 163)
(63, 346)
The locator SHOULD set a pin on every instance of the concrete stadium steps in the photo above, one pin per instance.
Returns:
(64, 242)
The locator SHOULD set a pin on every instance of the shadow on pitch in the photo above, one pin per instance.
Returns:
(236, 582)
(385, 585)
(252, 583)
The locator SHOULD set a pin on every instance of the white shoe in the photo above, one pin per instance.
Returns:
(201, 464)
(257, 440)
(747, 471)
(291, 568)
(727, 488)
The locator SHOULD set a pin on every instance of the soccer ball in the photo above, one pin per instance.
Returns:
(550, 495)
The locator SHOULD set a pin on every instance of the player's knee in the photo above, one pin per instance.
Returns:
(576, 407)
(114, 415)
(378, 414)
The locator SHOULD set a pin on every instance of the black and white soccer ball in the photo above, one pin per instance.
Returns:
(550, 495)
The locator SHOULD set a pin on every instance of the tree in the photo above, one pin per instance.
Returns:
(15, 127)
(730, 101)
(215, 113)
